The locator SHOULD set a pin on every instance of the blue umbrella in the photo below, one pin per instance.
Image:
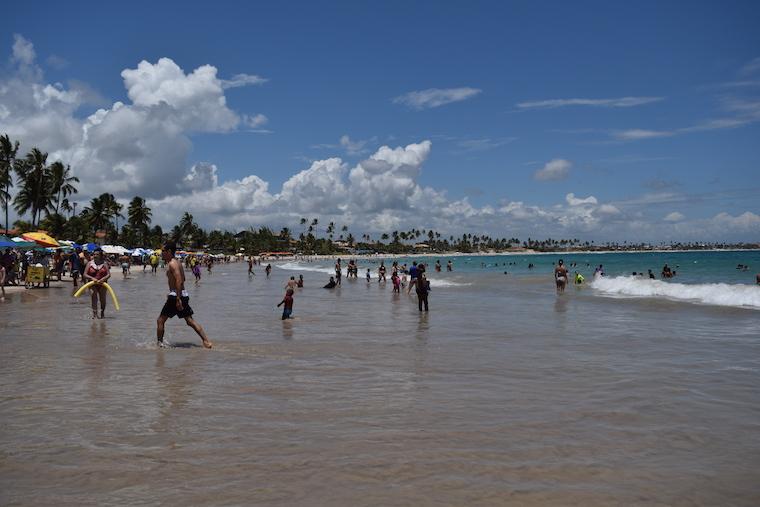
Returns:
(6, 242)
(90, 247)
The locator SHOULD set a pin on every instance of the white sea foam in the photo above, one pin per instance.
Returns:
(437, 282)
(330, 270)
(721, 294)
(306, 266)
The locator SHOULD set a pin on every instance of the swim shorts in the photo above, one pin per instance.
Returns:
(170, 307)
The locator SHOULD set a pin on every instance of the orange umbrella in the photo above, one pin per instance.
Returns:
(41, 238)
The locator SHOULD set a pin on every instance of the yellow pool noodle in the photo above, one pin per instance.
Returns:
(83, 288)
(108, 288)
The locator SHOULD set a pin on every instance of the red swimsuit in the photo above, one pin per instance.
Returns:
(98, 272)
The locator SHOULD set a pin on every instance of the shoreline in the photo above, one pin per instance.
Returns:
(493, 254)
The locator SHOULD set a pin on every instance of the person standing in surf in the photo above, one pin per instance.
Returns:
(560, 276)
(288, 302)
(97, 271)
(178, 300)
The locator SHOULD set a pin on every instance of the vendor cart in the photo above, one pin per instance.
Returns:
(37, 275)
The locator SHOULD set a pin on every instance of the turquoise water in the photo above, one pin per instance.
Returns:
(691, 267)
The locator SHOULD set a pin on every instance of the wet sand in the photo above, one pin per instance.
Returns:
(505, 394)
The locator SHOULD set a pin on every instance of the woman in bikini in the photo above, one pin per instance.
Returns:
(97, 271)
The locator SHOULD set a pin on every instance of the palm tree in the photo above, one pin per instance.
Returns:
(8, 152)
(101, 211)
(186, 227)
(62, 183)
(35, 193)
(139, 216)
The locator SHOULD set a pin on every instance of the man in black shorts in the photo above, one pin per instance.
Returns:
(177, 302)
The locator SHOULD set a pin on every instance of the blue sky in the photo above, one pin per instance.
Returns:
(650, 111)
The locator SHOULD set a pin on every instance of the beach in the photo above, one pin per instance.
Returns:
(628, 392)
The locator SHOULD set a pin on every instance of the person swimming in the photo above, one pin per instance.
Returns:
(578, 278)
(331, 284)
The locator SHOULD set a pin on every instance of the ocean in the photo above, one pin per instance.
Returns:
(621, 391)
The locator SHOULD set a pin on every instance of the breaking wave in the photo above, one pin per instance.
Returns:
(307, 266)
(720, 294)
(330, 270)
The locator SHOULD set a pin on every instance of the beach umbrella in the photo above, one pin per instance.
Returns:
(41, 238)
(20, 243)
(6, 242)
(90, 247)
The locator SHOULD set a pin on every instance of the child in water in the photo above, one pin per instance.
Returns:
(288, 301)
(396, 283)
(368, 275)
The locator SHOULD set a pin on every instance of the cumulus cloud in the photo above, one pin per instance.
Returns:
(435, 97)
(674, 217)
(136, 148)
(202, 176)
(619, 102)
(576, 201)
(256, 121)
(746, 221)
(193, 102)
(556, 169)
(141, 147)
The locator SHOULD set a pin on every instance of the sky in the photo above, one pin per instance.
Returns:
(591, 120)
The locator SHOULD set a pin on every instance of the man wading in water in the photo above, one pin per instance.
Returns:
(177, 302)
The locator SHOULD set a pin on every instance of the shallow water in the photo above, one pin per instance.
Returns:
(505, 393)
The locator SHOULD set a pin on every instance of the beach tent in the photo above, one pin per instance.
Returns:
(112, 249)
(41, 238)
(6, 242)
(21, 243)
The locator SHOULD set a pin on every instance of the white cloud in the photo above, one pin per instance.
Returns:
(435, 97)
(636, 134)
(618, 102)
(23, 50)
(256, 121)
(674, 217)
(141, 148)
(202, 176)
(352, 147)
(239, 80)
(747, 221)
(320, 187)
(608, 209)
(138, 148)
(575, 201)
(556, 169)
(192, 101)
